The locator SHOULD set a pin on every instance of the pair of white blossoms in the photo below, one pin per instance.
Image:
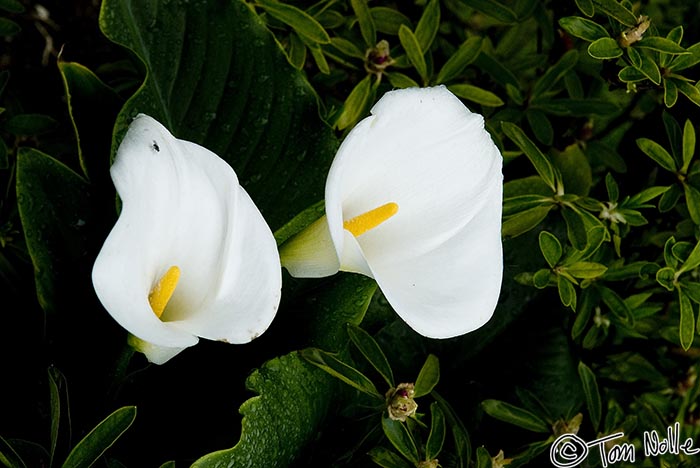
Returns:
(413, 199)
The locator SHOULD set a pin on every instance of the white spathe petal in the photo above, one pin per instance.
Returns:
(454, 288)
(423, 150)
(181, 206)
(154, 353)
(438, 260)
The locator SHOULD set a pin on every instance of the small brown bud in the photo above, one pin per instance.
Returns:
(378, 58)
(400, 403)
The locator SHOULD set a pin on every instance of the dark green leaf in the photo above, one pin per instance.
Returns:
(670, 198)
(231, 90)
(364, 18)
(661, 44)
(688, 144)
(550, 247)
(330, 19)
(612, 188)
(436, 437)
(428, 376)
(347, 47)
(683, 62)
(617, 11)
(590, 389)
(575, 228)
(300, 21)
(686, 328)
(512, 414)
(555, 73)
(399, 80)
(541, 126)
(586, 7)
(483, 458)
(340, 370)
(297, 51)
(541, 163)
(102, 437)
(524, 221)
(541, 279)
(9, 28)
(658, 153)
(645, 196)
(410, 44)
(372, 352)
(575, 107)
(428, 25)
(466, 54)
(688, 90)
(583, 28)
(460, 436)
(630, 74)
(356, 104)
(29, 124)
(476, 94)
(604, 48)
(319, 58)
(692, 290)
(586, 270)
(58, 397)
(387, 459)
(93, 107)
(493, 9)
(692, 261)
(53, 204)
(388, 20)
(9, 457)
(645, 64)
(400, 438)
(617, 306)
(11, 6)
(567, 293)
(496, 70)
(670, 93)
(692, 199)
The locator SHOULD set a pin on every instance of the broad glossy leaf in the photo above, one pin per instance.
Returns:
(567, 293)
(586, 270)
(102, 437)
(460, 435)
(617, 306)
(93, 107)
(54, 206)
(583, 28)
(231, 90)
(670, 93)
(399, 80)
(688, 90)
(630, 74)
(29, 124)
(645, 64)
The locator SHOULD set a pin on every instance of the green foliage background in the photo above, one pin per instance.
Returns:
(594, 104)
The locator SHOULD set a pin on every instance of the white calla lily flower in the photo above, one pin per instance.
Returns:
(413, 199)
(191, 255)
